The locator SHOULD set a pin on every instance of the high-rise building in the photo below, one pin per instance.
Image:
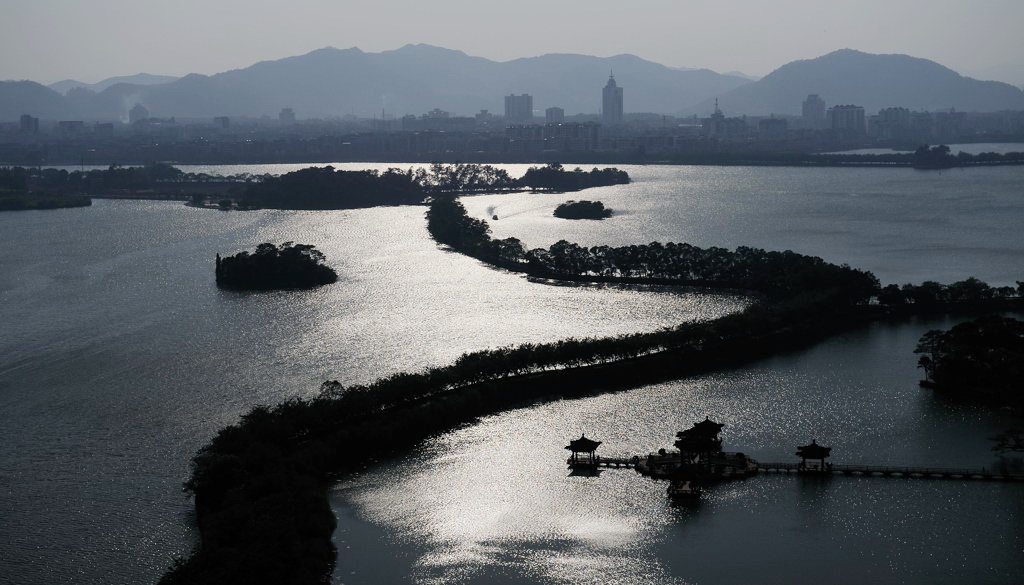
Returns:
(847, 120)
(554, 115)
(29, 124)
(813, 111)
(611, 102)
(286, 116)
(519, 108)
(891, 124)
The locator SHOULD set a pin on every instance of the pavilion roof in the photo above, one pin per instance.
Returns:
(813, 451)
(704, 428)
(583, 445)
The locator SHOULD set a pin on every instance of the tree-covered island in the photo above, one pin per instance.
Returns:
(582, 210)
(980, 360)
(288, 265)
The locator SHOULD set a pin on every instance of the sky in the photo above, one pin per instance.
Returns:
(51, 40)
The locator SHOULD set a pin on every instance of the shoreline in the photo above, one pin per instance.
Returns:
(752, 160)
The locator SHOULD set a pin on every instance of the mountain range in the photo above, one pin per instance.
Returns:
(414, 79)
(137, 79)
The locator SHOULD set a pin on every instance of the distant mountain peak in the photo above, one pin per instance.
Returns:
(330, 50)
(426, 49)
(844, 52)
(873, 81)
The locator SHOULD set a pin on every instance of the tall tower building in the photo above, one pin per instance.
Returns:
(814, 111)
(29, 124)
(847, 120)
(611, 102)
(554, 115)
(519, 108)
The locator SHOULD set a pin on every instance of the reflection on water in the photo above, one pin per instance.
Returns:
(494, 502)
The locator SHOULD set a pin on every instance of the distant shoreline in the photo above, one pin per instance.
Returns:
(34, 202)
(895, 160)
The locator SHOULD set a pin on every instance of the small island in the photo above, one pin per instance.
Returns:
(270, 267)
(582, 210)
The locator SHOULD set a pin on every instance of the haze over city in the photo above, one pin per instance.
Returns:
(52, 40)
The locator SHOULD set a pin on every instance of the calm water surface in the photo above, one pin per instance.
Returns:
(119, 358)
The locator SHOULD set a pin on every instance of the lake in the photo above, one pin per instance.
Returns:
(120, 358)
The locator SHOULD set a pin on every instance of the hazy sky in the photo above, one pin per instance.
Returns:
(89, 40)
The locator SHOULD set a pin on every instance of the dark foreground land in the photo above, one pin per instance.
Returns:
(260, 486)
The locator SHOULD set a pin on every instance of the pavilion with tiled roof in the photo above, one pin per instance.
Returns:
(583, 452)
(814, 451)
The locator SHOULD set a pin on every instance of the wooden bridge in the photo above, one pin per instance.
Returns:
(895, 471)
(599, 461)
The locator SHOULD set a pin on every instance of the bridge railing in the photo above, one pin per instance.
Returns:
(893, 469)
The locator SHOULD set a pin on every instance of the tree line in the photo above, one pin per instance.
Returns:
(779, 275)
(18, 193)
(923, 157)
(113, 178)
(931, 295)
(328, 188)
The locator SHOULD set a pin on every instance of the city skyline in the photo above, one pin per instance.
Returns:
(52, 40)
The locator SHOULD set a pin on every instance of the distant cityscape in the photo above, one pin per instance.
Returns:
(521, 134)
